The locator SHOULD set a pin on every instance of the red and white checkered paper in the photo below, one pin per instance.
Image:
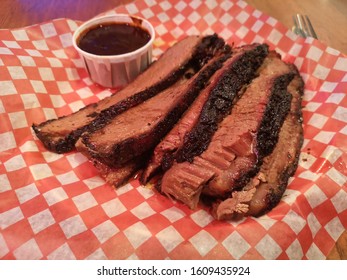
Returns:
(57, 207)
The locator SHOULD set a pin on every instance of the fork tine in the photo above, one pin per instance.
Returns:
(297, 27)
(305, 27)
(301, 26)
(310, 27)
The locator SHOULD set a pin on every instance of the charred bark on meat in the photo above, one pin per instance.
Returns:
(265, 189)
(241, 72)
(122, 151)
(61, 142)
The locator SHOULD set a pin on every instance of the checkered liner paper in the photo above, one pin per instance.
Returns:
(57, 207)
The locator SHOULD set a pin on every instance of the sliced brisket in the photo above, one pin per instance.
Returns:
(140, 128)
(282, 163)
(118, 176)
(265, 190)
(60, 135)
(191, 134)
(243, 138)
(219, 124)
(254, 126)
(239, 73)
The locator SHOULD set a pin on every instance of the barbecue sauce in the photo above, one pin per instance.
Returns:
(113, 38)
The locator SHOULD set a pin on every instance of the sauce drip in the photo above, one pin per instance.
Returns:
(113, 39)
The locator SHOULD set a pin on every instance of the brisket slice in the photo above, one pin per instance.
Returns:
(238, 75)
(60, 135)
(140, 128)
(243, 138)
(255, 127)
(118, 176)
(265, 190)
(191, 134)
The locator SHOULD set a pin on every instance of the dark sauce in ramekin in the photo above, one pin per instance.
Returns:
(113, 38)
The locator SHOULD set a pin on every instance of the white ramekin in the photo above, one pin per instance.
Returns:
(114, 71)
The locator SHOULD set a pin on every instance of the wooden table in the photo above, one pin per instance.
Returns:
(328, 18)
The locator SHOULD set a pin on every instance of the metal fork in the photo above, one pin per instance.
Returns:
(303, 27)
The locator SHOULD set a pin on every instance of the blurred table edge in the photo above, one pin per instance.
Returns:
(339, 251)
(328, 17)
